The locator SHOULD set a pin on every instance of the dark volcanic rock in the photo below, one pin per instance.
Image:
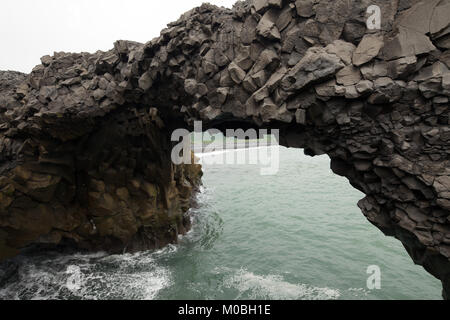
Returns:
(84, 140)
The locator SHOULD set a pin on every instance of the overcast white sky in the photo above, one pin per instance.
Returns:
(30, 29)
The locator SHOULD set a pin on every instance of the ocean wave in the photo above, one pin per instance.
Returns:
(220, 157)
(92, 277)
(218, 152)
(275, 287)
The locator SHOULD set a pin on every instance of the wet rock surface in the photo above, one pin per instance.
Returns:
(85, 138)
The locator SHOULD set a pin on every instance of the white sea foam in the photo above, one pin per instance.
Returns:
(99, 276)
(219, 152)
(358, 293)
(275, 287)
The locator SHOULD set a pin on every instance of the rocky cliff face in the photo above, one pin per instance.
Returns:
(85, 137)
(111, 188)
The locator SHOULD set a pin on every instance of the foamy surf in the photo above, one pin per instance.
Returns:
(93, 277)
(217, 152)
(275, 287)
(216, 157)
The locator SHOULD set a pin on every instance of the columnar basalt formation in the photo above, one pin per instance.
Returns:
(103, 184)
(85, 138)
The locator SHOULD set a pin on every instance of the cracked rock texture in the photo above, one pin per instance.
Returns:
(108, 184)
(85, 138)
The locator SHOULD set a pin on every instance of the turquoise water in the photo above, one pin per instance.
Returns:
(296, 235)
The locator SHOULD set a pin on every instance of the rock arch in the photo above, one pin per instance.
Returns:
(84, 139)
